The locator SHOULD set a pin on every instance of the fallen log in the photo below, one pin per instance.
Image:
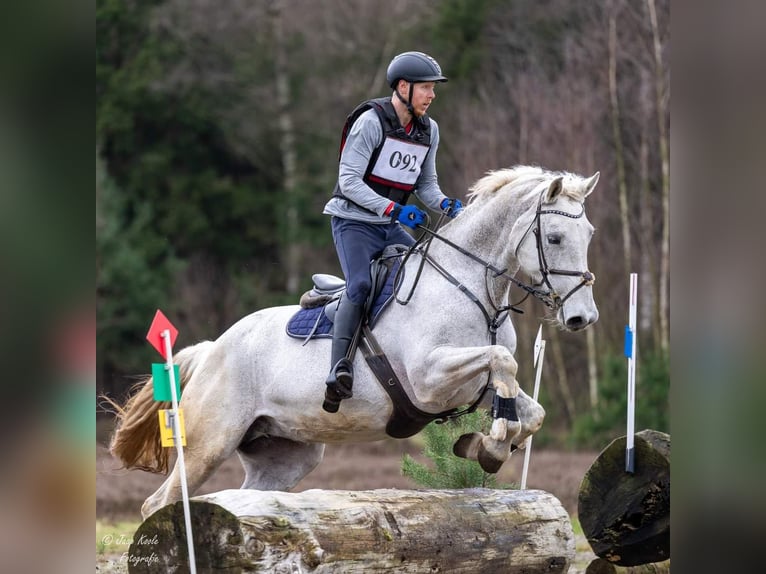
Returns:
(626, 516)
(471, 530)
(601, 566)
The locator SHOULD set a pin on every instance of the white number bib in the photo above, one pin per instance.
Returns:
(400, 161)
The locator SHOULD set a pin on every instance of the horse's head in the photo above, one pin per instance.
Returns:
(552, 241)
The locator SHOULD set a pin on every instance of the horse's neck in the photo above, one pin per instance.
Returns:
(485, 231)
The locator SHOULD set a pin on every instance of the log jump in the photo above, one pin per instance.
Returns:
(387, 530)
(626, 516)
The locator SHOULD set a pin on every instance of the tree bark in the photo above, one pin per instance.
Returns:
(471, 530)
(626, 516)
(561, 378)
(619, 153)
(287, 147)
(649, 313)
(592, 370)
(660, 95)
(601, 566)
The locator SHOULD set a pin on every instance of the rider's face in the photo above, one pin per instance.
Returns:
(423, 94)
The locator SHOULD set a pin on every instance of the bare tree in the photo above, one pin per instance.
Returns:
(648, 280)
(614, 101)
(292, 259)
(661, 103)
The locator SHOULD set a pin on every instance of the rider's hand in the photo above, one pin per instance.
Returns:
(408, 215)
(451, 206)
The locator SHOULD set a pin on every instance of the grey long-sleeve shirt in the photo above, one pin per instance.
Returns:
(364, 136)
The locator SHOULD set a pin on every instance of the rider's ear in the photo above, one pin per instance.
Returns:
(591, 183)
(554, 189)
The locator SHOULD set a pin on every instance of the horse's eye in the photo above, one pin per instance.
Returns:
(554, 238)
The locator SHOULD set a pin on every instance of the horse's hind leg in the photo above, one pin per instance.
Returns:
(275, 463)
(200, 462)
(214, 429)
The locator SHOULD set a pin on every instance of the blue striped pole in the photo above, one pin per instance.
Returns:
(630, 353)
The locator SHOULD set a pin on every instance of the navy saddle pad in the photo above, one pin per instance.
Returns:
(313, 323)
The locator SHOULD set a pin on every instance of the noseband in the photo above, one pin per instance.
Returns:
(550, 298)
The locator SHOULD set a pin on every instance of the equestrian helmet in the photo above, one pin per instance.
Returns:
(414, 67)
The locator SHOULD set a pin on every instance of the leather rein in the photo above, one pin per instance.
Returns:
(549, 298)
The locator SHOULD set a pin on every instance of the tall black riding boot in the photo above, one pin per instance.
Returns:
(341, 378)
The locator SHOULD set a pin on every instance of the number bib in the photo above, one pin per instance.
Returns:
(400, 162)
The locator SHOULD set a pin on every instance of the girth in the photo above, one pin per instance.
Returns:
(406, 419)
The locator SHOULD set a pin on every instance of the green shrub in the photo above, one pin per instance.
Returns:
(450, 471)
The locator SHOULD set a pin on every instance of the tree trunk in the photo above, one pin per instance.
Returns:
(292, 263)
(619, 153)
(659, 90)
(471, 530)
(561, 378)
(649, 311)
(601, 566)
(626, 517)
(592, 370)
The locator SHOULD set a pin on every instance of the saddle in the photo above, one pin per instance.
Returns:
(315, 320)
(320, 303)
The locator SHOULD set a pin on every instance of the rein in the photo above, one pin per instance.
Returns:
(549, 298)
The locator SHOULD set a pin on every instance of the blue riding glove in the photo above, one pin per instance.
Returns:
(451, 206)
(408, 215)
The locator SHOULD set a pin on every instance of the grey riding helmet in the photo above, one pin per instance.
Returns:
(414, 67)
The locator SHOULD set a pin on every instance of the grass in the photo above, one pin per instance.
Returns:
(114, 537)
(582, 546)
(576, 527)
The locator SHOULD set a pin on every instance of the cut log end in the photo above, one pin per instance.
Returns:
(361, 531)
(626, 516)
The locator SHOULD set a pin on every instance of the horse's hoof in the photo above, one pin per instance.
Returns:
(467, 446)
(488, 462)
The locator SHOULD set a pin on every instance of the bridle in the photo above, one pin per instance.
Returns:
(549, 298)
(552, 299)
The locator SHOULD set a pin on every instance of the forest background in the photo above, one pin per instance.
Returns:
(218, 125)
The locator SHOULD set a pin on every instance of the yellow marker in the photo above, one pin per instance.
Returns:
(166, 427)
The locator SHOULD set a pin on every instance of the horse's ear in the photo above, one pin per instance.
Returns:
(554, 189)
(591, 183)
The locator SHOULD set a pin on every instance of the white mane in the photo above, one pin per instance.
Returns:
(525, 178)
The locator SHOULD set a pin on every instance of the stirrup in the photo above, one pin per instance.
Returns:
(339, 384)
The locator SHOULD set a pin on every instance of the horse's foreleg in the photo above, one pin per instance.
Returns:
(449, 368)
(531, 414)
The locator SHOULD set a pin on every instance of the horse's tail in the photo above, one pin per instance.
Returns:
(136, 440)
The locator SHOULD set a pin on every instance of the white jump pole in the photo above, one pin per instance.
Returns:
(179, 448)
(538, 361)
(630, 352)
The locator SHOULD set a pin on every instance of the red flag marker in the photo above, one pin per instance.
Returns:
(154, 336)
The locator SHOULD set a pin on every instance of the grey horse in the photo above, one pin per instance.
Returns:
(258, 392)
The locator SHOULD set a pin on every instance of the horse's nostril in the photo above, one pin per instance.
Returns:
(576, 322)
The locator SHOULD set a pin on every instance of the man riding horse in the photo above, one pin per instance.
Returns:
(387, 153)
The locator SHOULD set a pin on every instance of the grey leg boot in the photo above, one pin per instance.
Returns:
(341, 378)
